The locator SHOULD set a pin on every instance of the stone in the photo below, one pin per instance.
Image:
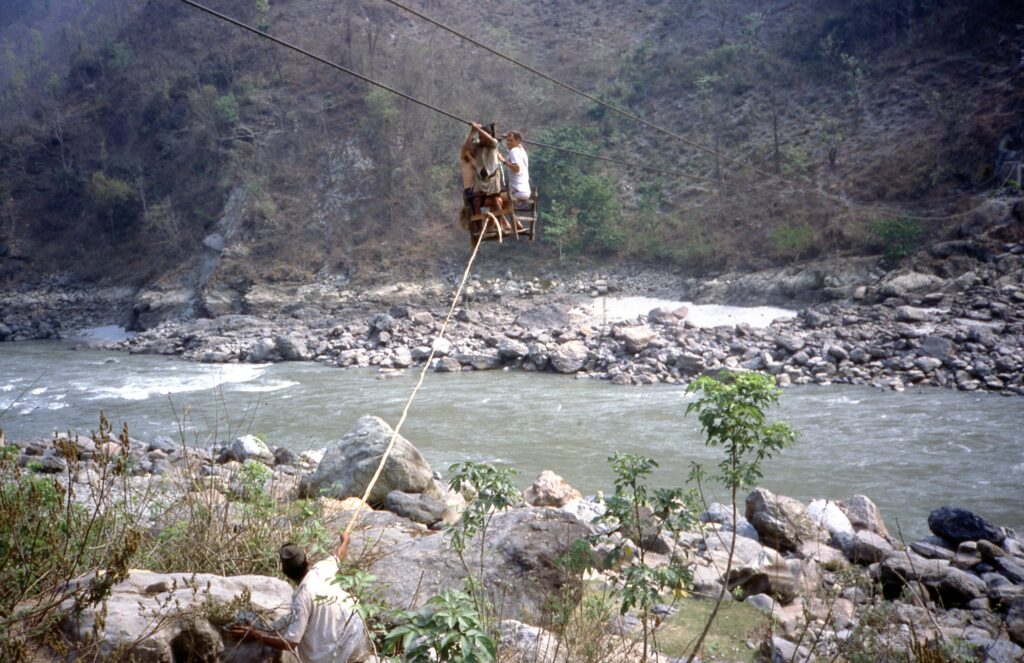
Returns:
(250, 447)
(285, 456)
(417, 507)
(509, 349)
(790, 343)
(636, 339)
(164, 444)
(938, 347)
(912, 314)
(447, 365)
(927, 364)
(1015, 621)
(549, 489)
(482, 360)
(547, 316)
(522, 643)
(165, 617)
(690, 363)
(570, 357)
(349, 464)
(782, 522)
(958, 525)
(382, 322)
(864, 547)
(864, 515)
(292, 347)
(827, 514)
(442, 347)
(401, 357)
(780, 650)
(997, 651)
(902, 568)
(521, 570)
(956, 588)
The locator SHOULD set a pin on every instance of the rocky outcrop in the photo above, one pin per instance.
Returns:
(520, 560)
(958, 525)
(171, 617)
(781, 522)
(549, 489)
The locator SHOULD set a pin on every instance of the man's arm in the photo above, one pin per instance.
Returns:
(342, 551)
(274, 640)
(511, 161)
(485, 138)
(467, 145)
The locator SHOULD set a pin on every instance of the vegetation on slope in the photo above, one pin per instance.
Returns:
(133, 130)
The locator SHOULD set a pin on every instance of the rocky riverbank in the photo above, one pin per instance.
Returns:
(955, 318)
(830, 573)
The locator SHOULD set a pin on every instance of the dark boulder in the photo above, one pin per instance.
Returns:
(958, 525)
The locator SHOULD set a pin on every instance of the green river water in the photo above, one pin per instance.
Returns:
(910, 452)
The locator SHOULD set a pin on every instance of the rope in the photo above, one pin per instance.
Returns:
(423, 373)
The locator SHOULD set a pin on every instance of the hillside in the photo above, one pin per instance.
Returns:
(132, 131)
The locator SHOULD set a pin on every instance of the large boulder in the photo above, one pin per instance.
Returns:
(548, 316)
(902, 568)
(864, 515)
(782, 522)
(864, 547)
(350, 463)
(169, 617)
(827, 514)
(636, 339)
(250, 447)
(959, 525)
(549, 489)
(570, 356)
(292, 347)
(1015, 621)
(520, 572)
(417, 507)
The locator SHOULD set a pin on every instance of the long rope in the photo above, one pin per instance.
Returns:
(423, 373)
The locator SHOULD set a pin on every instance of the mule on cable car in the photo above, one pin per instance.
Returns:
(491, 207)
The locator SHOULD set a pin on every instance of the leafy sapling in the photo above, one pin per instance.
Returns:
(731, 412)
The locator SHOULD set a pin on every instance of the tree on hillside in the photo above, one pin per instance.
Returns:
(590, 198)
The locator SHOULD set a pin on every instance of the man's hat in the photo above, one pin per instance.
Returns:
(292, 558)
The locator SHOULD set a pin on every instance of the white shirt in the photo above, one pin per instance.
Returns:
(519, 183)
(323, 619)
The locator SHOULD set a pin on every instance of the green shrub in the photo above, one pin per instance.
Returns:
(792, 241)
(447, 628)
(226, 110)
(899, 236)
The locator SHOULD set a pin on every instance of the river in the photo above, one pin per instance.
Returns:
(910, 452)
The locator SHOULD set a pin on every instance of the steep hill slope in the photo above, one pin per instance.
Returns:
(133, 131)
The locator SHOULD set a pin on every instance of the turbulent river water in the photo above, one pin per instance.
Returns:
(910, 452)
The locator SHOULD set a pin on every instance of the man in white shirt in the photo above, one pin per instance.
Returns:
(518, 166)
(323, 625)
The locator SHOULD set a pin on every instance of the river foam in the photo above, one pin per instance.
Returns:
(616, 309)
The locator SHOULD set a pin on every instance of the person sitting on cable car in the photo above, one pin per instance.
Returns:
(468, 167)
(482, 152)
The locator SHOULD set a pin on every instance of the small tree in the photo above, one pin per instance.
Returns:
(641, 515)
(560, 226)
(494, 491)
(731, 411)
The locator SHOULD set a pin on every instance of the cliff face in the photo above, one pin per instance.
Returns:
(131, 131)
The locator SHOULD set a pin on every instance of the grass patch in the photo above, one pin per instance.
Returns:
(735, 625)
